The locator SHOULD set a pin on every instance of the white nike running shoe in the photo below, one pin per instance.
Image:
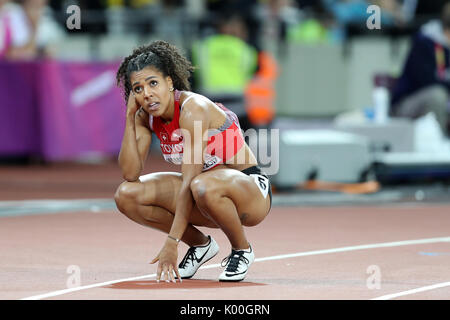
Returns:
(196, 256)
(237, 264)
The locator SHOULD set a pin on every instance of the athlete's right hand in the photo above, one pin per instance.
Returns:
(132, 104)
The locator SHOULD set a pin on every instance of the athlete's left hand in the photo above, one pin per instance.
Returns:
(167, 266)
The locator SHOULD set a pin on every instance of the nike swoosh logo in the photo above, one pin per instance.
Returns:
(235, 274)
(201, 258)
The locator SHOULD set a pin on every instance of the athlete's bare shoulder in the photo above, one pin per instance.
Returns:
(192, 98)
(193, 103)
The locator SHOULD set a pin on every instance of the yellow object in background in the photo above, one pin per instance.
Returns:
(133, 3)
(309, 31)
(225, 64)
(141, 3)
(115, 3)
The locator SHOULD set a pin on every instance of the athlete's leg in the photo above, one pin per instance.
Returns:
(152, 202)
(231, 199)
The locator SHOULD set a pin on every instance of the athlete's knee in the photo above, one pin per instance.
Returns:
(198, 187)
(126, 196)
(206, 191)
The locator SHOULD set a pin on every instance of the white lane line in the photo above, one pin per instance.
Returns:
(412, 291)
(360, 247)
(95, 285)
(278, 257)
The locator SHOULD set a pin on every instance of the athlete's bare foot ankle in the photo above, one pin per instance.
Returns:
(201, 241)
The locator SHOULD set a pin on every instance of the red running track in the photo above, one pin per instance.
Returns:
(37, 250)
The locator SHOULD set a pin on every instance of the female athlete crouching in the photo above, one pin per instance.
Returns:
(215, 192)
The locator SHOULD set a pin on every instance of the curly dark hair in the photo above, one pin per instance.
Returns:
(161, 55)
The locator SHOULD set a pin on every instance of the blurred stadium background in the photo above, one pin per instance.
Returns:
(320, 62)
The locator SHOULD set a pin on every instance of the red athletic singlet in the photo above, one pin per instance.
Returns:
(223, 143)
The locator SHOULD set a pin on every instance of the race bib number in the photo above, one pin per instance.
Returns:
(262, 183)
(210, 162)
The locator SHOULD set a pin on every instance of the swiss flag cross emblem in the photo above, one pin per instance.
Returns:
(177, 137)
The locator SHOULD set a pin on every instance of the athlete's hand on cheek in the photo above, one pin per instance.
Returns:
(167, 265)
(132, 104)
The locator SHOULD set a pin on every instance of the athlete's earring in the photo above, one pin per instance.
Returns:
(171, 89)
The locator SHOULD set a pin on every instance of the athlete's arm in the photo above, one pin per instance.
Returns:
(194, 122)
(136, 141)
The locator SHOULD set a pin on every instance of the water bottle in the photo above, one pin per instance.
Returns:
(380, 101)
(380, 104)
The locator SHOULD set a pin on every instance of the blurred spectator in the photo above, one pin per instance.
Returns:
(30, 28)
(347, 12)
(5, 30)
(42, 19)
(170, 14)
(277, 17)
(428, 8)
(246, 9)
(316, 25)
(425, 81)
(225, 64)
(395, 12)
(19, 40)
(133, 16)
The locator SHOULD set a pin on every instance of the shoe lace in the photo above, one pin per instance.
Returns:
(233, 260)
(190, 256)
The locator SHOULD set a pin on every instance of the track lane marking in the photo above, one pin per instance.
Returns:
(412, 291)
(277, 257)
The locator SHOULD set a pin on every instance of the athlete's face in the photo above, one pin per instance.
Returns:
(152, 90)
